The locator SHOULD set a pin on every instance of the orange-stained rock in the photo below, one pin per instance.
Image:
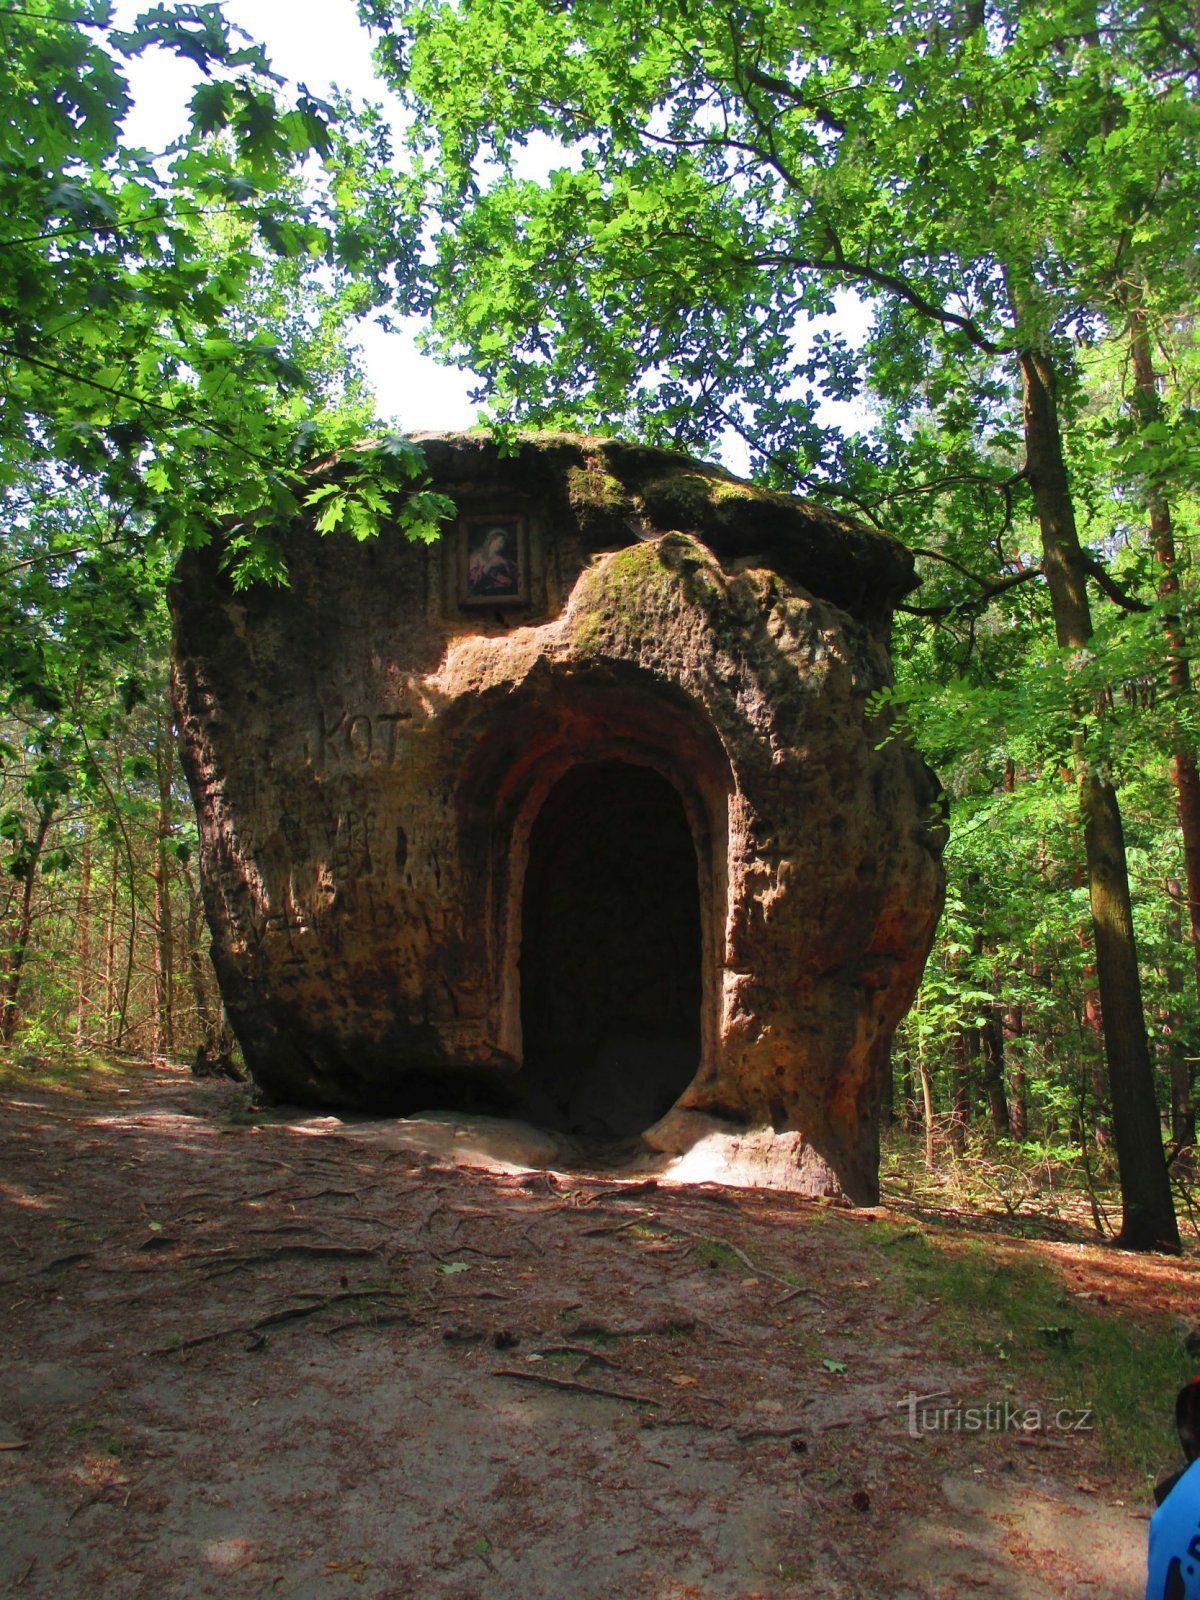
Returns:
(582, 811)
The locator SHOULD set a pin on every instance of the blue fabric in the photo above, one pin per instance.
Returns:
(1175, 1542)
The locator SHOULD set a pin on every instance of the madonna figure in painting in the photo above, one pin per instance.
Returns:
(493, 561)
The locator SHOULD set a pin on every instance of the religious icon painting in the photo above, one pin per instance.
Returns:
(493, 561)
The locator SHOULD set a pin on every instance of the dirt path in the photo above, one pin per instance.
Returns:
(311, 1360)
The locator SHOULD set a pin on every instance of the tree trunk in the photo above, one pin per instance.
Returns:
(164, 943)
(909, 1119)
(1018, 1110)
(1091, 1043)
(927, 1099)
(992, 1037)
(1183, 1110)
(10, 1013)
(1148, 1216)
(83, 914)
(110, 950)
(991, 1040)
(889, 1093)
(131, 884)
(1184, 775)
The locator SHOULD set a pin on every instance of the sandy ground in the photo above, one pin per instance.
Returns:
(315, 1358)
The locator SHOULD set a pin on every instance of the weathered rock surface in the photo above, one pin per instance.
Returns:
(582, 811)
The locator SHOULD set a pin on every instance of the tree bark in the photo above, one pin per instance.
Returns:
(927, 1101)
(83, 914)
(110, 950)
(164, 943)
(1018, 1109)
(10, 1013)
(1148, 1216)
(991, 1040)
(1183, 1109)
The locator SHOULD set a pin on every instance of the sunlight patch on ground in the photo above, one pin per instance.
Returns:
(31, 1202)
(229, 1555)
(156, 1122)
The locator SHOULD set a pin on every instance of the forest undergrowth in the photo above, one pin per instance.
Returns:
(1028, 1189)
(1121, 1356)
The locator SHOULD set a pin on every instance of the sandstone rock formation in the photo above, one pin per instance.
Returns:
(582, 811)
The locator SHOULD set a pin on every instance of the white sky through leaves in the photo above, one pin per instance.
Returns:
(318, 43)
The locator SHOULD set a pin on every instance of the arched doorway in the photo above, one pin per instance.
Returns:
(610, 952)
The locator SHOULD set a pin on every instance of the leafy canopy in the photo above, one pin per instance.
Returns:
(170, 323)
(724, 170)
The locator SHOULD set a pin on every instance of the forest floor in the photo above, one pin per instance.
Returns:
(311, 1357)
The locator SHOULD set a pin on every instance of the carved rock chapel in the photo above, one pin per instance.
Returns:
(582, 811)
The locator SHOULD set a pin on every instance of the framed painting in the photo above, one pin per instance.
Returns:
(493, 561)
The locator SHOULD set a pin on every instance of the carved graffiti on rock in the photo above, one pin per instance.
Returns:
(350, 846)
(355, 739)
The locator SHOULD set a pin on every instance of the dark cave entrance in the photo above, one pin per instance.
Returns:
(610, 952)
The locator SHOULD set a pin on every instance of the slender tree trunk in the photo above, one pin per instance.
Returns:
(1148, 1216)
(205, 1010)
(1091, 1036)
(121, 1002)
(927, 1100)
(889, 1093)
(10, 1013)
(985, 1044)
(119, 1009)
(991, 1041)
(909, 1120)
(110, 949)
(1018, 1110)
(1184, 775)
(1183, 1110)
(83, 913)
(992, 1035)
(164, 943)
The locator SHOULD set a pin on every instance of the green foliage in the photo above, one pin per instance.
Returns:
(721, 175)
(172, 324)
(173, 360)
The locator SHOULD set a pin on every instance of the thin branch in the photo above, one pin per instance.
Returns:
(141, 402)
(961, 477)
(988, 591)
(162, 224)
(103, 541)
(951, 561)
(808, 484)
(766, 126)
(788, 91)
(1108, 585)
(860, 272)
